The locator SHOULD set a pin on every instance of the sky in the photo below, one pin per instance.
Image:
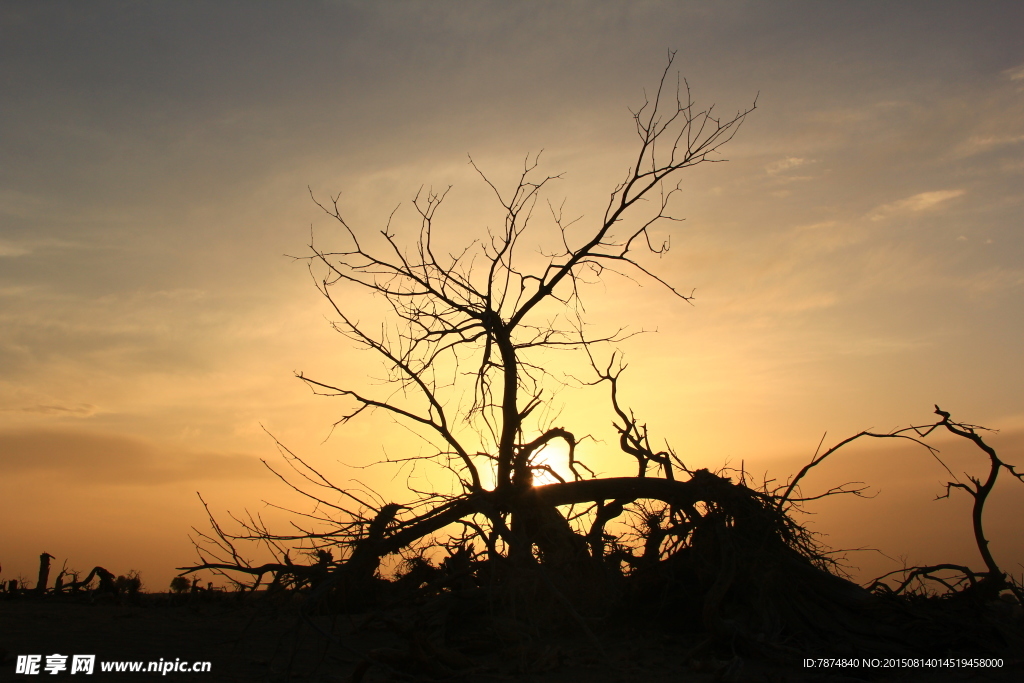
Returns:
(858, 259)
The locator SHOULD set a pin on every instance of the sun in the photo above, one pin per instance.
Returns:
(554, 456)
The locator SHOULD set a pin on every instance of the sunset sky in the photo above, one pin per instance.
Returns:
(859, 258)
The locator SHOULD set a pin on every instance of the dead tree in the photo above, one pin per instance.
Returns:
(107, 581)
(984, 584)
(493, 318)
(486, 311)
(44, 572)
(463, 347)
(451, 312)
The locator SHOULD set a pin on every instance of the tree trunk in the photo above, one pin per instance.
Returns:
(44, 573)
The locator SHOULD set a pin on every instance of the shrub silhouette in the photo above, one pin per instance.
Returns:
(180, 584)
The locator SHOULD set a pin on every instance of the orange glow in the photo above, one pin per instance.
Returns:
(857, 260)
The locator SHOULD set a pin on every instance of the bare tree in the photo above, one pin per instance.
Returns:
(464, 347)
(451, 312)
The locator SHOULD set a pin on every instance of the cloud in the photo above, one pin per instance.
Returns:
(922, 201)
(1015, 73)
(10, 249)
(978, 144)
(95, 458)
(80, 410)
(785, 164)
(779, 169)
(994, 279)
(15, 291)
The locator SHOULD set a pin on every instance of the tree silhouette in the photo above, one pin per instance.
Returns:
(465, 346)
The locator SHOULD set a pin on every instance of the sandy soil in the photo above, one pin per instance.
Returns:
(262, 641)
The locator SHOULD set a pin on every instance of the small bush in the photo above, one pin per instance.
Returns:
(179, 584)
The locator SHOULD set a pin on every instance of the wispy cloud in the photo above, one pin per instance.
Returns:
(780, 171)
(777, 167)
(79, 410)
(993, 280)
(922, 201)
(1015, 73)
(10, 249)
(978, 144)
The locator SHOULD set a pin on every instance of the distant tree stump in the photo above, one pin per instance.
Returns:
(44, 573)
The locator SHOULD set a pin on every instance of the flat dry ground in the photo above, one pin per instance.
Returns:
(262, 642)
